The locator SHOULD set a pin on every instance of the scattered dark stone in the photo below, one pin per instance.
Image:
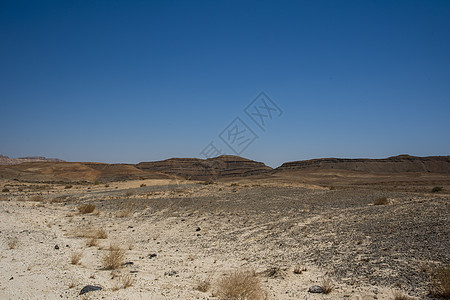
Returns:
(56, 247)
(133, 272)
(11, 278)
(315, 289)
(152, 255)
(67, 246)
(198, 234)
(182, 220)
(89, 288)
(130, 226)
(197, 229)
(171, 273)
(128, 263)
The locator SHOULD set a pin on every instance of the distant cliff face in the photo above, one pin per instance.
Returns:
(225, 166)
(5, 160)
(396, 164)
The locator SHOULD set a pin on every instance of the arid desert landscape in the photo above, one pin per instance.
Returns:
(314, 233)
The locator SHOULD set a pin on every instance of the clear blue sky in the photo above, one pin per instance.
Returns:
(131, 81)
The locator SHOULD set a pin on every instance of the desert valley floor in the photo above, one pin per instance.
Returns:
(180, 238)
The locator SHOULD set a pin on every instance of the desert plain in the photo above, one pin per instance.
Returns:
(356, 235)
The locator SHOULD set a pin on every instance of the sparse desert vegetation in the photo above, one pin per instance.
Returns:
(381, 201)
(86, 208)
(75, 257)
(190, 235)
(12, 242)
(113, 257)
(437, 189)
(240, 285)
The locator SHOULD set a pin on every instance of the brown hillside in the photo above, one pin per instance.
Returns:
(225, 166)
(396, 164)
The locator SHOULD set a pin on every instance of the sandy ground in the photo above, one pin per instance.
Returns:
(202, 232)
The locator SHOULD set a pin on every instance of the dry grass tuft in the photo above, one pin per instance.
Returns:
(36, 198)
(381, 201)
(101, 234)
(127, 281)
(299, 269)
(113, 258)
(92, 242)
(75, 257)
(86, 208)
(123, 213)
(203, 285)
(327, 286)
(240, 285)
(441, 282)
(12, 242)
(90, 232)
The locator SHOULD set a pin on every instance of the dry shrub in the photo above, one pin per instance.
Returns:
(381, 201)
(113, 258)
(437, 189)
(400, 296)
(441, 282)
(101, 234)
(12, 242)
(129, 193)
(299, 269)
(240, 285)
(203, 285)
(327, 285)
(92, 242)
(86, 208)
(123, 213)
(75, 257)
(90, 232)
(127, 281)
(36, 198)
(5, 190)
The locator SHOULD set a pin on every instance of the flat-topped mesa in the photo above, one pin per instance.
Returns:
(395, 164)
(225, 166)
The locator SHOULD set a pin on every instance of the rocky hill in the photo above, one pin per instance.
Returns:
(225, 166)
(395, 164)
(212, 169)
(5, 160)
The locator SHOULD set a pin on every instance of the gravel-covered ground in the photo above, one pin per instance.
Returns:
(200, 230)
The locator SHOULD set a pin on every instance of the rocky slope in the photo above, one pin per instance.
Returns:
(225, 166)
(395, 164)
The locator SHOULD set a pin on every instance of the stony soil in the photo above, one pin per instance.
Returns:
(200, 232)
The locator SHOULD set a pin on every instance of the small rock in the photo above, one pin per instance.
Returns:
(152, 255)
(197, 229)
(128, 263)
(89, 288)
(171, 273)
(130, 226)
(56, 247)
(11, 278)
(315, 289)
(198, 234)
